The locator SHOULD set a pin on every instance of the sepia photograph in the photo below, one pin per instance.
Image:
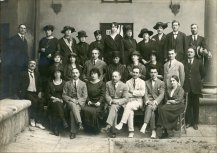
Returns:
(108, 76)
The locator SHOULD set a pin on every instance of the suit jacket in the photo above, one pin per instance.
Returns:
(156, 93)
(139, 91)
(159, 46)
(99, 45)
(178, 95)
(65, 50)
(179, 44)
(101, 65)
(24, 84)
(201, 42)
(82, 52)
(81, 92)
(177, 68)
(194, 73)
(17, 53)
(121, 93)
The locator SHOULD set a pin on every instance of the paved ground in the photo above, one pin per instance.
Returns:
(37, 140)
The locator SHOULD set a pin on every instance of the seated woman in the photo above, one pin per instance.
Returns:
(169, 113)
(72, 63)
(55, 106)
(95, 102)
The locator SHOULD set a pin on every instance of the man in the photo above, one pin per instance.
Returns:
(94, 62)
(155, 89)
(67, 44)
(14, 62)
(30, 88)
(116, 97)
(159, 39)
(116, 66)
(173, 67)
(176, 40)
(194, 71)
(198, 42)
(136, 88)
(75, 95)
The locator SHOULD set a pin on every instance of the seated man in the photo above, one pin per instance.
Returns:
(155, 89)
(116, 96)
(136, 87)
(30, 88)
(75, 95)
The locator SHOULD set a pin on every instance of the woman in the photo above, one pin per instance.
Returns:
(155, 63)
(55, 106)
(129, 43)
(57, 64)
(146, 45)
(169, 113)
(97, 44)
(113, 42)
(95, 102)
(47, 46)
(72, 63)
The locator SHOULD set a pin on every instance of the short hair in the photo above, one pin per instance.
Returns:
(194, 24)
(96, 48)
(175, 77)
(55, 70)
(154, 52)
(117, 72)
(172, 49)
(192, 47)
(115, 24)
(175, 21)
(153, 67)
(21, 25)
(136, 67)
(31, 61)
(76, 69)
(95, 70)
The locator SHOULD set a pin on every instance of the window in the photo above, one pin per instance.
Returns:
(116, 1)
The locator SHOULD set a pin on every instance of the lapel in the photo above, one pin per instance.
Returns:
(173, 65)
(64, 44)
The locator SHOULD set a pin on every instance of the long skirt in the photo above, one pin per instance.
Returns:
(168, 115)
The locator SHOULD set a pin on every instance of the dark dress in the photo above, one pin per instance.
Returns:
(50, 46)
(169, 113)
(112, 45)
(116, 67)
(53, 67)
(129, 46)
(56, 109)
(159, 67)
(68, 71)
(82, 52)
(93, 114)
(97, 44)
(145, 49)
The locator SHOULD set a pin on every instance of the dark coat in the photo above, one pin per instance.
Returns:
(82, 52)
(17, 53)
(129, 46)
(112, 45)
(194, 73)
(64, 49)
(145, 49)
(159, 46)
(99, 45)
(25, 83)
(179, 44)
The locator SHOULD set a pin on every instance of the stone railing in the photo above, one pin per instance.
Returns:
(13, 118)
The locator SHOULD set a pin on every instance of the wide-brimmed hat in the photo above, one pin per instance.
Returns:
(135, 53)
(81, 34)
(97, 32)
(145, 30)
(48, 27)
(116, 54)
(72, 55)
(160, 24)
(68, 28)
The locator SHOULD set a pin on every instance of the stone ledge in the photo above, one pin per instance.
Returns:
(208, 101)
(9, 107)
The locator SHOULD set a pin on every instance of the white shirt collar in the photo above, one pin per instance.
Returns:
(175, 33)
(21, 35)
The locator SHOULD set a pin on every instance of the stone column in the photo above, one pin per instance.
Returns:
(210, 81)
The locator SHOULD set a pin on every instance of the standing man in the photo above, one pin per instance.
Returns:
(173, 67)
(116, 97)
(155, 89)
(198, 42)
(30, 88)
(94, 62)
(136, 88)
(75, 95)
(176, 40)
(194, 71)
(15, 61)
(159, 40)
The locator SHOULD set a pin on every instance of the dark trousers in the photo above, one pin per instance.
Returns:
(192, 108)
(37, 106)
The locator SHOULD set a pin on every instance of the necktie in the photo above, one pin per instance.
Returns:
(68, 39)
(31, 74)
(75, 87)
(22, 37)
(115, 84)
(170, 64)
(94, 62)
(134, 83)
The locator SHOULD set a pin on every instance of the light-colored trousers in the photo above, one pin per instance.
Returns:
(150, 117)
(128, 115)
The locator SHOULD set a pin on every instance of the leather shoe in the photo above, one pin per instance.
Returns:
(72, 136)
(164, 136)
(195, 127)
(112, 135)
